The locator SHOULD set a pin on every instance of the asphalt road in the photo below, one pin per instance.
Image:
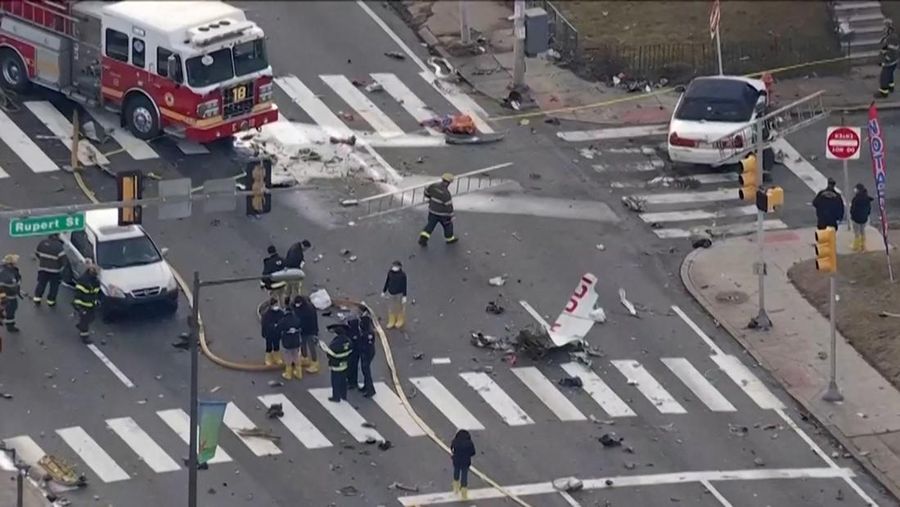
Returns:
(57, 383)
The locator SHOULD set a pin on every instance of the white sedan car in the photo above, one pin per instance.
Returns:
(710, 109)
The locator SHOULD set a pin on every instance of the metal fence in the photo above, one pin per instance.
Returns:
(563, 35)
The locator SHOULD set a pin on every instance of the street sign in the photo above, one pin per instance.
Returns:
(842, 143)
(37, 226)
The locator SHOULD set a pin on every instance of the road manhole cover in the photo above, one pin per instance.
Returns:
(734, 297)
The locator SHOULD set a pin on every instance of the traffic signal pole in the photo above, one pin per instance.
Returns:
(833, 393)
(761, 321)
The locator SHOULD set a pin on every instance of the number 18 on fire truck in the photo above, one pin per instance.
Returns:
(193, 69)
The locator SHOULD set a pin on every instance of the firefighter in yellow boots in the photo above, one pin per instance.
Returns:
(395, 290)
(289, 328)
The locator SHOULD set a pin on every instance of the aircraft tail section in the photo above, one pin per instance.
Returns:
(574, 323)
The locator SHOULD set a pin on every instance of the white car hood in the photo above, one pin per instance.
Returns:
(132, 278)
(706, 131)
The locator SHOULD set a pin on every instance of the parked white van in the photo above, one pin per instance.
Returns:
(133, 271)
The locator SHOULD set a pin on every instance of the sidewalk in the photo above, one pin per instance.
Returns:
(553, 87)
(32, 497)
(867, 423)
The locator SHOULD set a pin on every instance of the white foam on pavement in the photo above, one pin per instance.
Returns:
(136, 148)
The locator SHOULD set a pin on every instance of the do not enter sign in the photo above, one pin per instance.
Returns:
(842, 143)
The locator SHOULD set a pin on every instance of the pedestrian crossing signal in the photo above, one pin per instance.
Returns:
(258, 175)
(749, 178)
(130, 186)
(826, 250)
(769, 199)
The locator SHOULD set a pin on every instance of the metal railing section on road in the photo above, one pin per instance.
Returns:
(409, 197)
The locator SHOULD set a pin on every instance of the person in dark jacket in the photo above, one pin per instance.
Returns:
(338, 351)
(890, 54)
(829, 206)
(273, 263)
(293, 259)
(440, 210)
(51, 257)
(269, 322)
(395, 290)
(290, 331)
(362, 352)
(10, 290)
(309, 333)
(463, 449)
(860, 208)
(86, 301)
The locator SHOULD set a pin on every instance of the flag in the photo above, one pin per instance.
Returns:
(714, 16)
(879, 170)
(211, 414)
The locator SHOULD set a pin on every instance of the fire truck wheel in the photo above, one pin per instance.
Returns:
(141, 118)
(13, 74)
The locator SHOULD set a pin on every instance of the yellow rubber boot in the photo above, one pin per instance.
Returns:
(464, 493)
(269, 359)
(288, 372)
(401, 319)
(862, 243)
(298, 371)
(313, 367)
(304, 361)
(392, 321)
(456, 486)
(276, 358)
(855, 245)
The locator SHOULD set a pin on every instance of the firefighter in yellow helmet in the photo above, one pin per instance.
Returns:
(440, 210)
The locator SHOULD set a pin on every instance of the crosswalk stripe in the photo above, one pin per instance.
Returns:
(359, 102)
(410, 102)
(460, 101)
(697, 214)
(24, 148)
(3, 174)
(296, 422)
(723, 230)
(350, 419)
(599, 391)
(713, 178)
(88, 154)
(391, 405)
(746, 380)
(27, 450)
(574, 136)
(237, 421)
(92, 454)
(697, 383)
(508, 410)
(722, 194)
(140, 442)
(639, 377)
(444, 401)
(190, 147)
(564, 409)
(301, 95)
(136, 148)
(180, 422)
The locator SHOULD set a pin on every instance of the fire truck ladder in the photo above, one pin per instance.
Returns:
(53, 16)
(410, 197)
(779, 123)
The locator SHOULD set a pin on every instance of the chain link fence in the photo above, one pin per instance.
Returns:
(563, 35)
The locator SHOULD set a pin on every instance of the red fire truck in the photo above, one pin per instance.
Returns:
(193, 69)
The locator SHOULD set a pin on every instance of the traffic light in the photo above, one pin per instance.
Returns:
(258, 175)
(130, 186)
(749, 178)
(826, 250)
(768, 199)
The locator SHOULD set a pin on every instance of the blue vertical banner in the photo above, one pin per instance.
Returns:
(879, 171)
(211, 414)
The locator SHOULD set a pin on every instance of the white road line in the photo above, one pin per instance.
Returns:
(569, 500)
(350, 419)
(3, 174)
(112, 367)
(697, 383)
(444, 401)
(27, 450)
(24, 148)
(137, 149)
(694, 327)
(508, 410)
(6, 463)
(723, 230)
(392, 406)
(379, 121)
(236, 420)
(575, 136)
(712, 178)
(746, 380)
(296, 422)
(180, 422)
(92, 454)
(599, 391)
(410, 102)
(88, 154)
(697, 214)
(191, 148)
(546, 207)
(625, 481)
(798, 165)
(140, 442)
(715, 493)
(722, 194)
(541, 386)
(440, 360)
(639, 377)
(301, 95)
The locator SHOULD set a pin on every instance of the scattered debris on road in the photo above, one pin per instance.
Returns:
(403, 487)
(396, 55)
(573, 381)
(274, 411)
(497, 281)
(259, 433)
(494, 308)
(568, 484)
(610, 440)
(374, 87)
(598, 315)
(634, 203)
(626, 303)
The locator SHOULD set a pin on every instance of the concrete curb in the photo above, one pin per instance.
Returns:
(836, 433)
(882, 106)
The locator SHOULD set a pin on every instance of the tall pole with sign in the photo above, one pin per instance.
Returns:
(715, 15)
(879, 170)
(842, 143)
(763, 323)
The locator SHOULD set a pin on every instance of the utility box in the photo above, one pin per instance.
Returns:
(537, 31)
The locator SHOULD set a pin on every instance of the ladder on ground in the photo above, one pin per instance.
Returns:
(410, 197)
(781, 122)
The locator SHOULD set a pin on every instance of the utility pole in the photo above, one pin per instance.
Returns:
(833, 393)
(195, 360)
(762, 319)
(518, 83)
(465, 34)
